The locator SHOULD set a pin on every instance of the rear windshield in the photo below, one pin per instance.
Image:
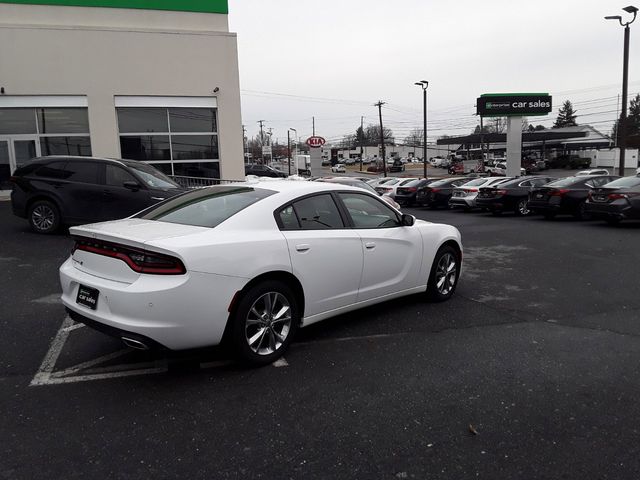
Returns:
(440, 183)
(564, 182)
(475, 183)
(207, 207)
(151, 176)
(412, 183)
(624, 182)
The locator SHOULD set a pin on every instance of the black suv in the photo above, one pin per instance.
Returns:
(62, 190)
(263, 171)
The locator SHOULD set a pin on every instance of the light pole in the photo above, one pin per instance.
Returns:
(622, 123)
(424, 84)
(289, 147)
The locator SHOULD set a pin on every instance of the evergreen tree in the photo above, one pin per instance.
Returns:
(566, 116)
(633, 124)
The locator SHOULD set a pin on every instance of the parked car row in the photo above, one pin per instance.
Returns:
(585, 196)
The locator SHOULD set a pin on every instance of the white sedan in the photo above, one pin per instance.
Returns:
(252, 262)
(339, 168)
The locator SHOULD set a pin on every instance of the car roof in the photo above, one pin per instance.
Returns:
(77, 158)
(295, 186)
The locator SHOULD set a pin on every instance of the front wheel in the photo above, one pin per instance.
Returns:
(444, 275)
(44, 217)
(265, 322)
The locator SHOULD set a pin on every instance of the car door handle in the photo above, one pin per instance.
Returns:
(303, 247)
(369, 245)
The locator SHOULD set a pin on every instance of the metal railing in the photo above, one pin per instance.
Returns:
(200, 182)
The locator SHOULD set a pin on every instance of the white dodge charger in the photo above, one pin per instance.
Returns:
(251, 263)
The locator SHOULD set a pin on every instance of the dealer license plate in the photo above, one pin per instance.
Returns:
(538, 195)
(88, 297)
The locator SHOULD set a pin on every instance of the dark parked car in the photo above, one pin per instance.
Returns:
(263, 171)
(567, 195)
(396, 166)
(438, 193)
(60, 190)
(406, 194)
(510, 196)
(615, 201)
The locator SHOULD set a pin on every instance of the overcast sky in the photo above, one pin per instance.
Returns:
(333, 59)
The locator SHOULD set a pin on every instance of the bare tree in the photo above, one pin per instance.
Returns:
(415, 137)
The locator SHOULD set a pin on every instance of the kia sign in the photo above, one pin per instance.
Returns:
(316, 142)
(513, 104)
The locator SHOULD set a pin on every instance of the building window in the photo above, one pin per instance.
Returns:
(58, 131)
(178, 141)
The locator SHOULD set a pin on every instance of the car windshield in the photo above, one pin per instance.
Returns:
(151, 177)
(565, 182)
(624, 182)
(207, 207)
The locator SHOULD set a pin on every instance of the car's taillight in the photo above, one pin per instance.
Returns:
(411, 189)
(501, 192)
(617, 196)
(141, 261)
(435, 190)
(470, 190)
(13, 179)
(386, 189)
(559, 193)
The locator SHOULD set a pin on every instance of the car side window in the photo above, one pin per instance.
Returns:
(116, 176)
(53, 170)
(288, 218)
(527, 183)
(82, 172)
(368, 212)
(318, 213)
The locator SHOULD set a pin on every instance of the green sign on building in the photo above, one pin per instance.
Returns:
(204, 6)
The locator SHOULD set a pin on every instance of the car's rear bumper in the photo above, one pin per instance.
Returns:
(175, 311)
(462, 202)
(490, 203)
(616, 210)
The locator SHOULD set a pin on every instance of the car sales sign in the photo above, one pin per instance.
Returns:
(513, 104)
(316, 142)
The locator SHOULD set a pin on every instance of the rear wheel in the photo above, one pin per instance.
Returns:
(44, 217)
(264, 322)
(445, 271)
(522, 208)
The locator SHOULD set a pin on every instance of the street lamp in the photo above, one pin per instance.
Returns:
(424, 84)
(622, 124)
(289, 147)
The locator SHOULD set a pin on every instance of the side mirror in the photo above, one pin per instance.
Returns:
(408, 220)
(133, 186)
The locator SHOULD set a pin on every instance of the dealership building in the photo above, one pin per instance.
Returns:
(152, 80)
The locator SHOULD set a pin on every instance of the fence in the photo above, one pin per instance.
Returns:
(200, 182)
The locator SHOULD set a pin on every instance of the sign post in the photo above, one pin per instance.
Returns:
(315, 144)
(514, 106)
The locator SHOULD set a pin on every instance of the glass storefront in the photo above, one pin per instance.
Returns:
(177, 141)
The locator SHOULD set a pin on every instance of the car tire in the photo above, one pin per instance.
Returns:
(260, 330)
(522, 208)
(44, 217)
(445, 271)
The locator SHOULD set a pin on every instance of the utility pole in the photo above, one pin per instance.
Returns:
(261, 140)
(244, 143)
(289, 150)
(623, 117)
(361, 140)
(384, 160)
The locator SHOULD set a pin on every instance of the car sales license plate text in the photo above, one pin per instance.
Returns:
(88, 297)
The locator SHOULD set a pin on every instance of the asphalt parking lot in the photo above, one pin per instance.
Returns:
(530, 371)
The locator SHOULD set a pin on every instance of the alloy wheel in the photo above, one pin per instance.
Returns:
(43, 217)
(523, 207)
(446, 273)
(268, 323)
